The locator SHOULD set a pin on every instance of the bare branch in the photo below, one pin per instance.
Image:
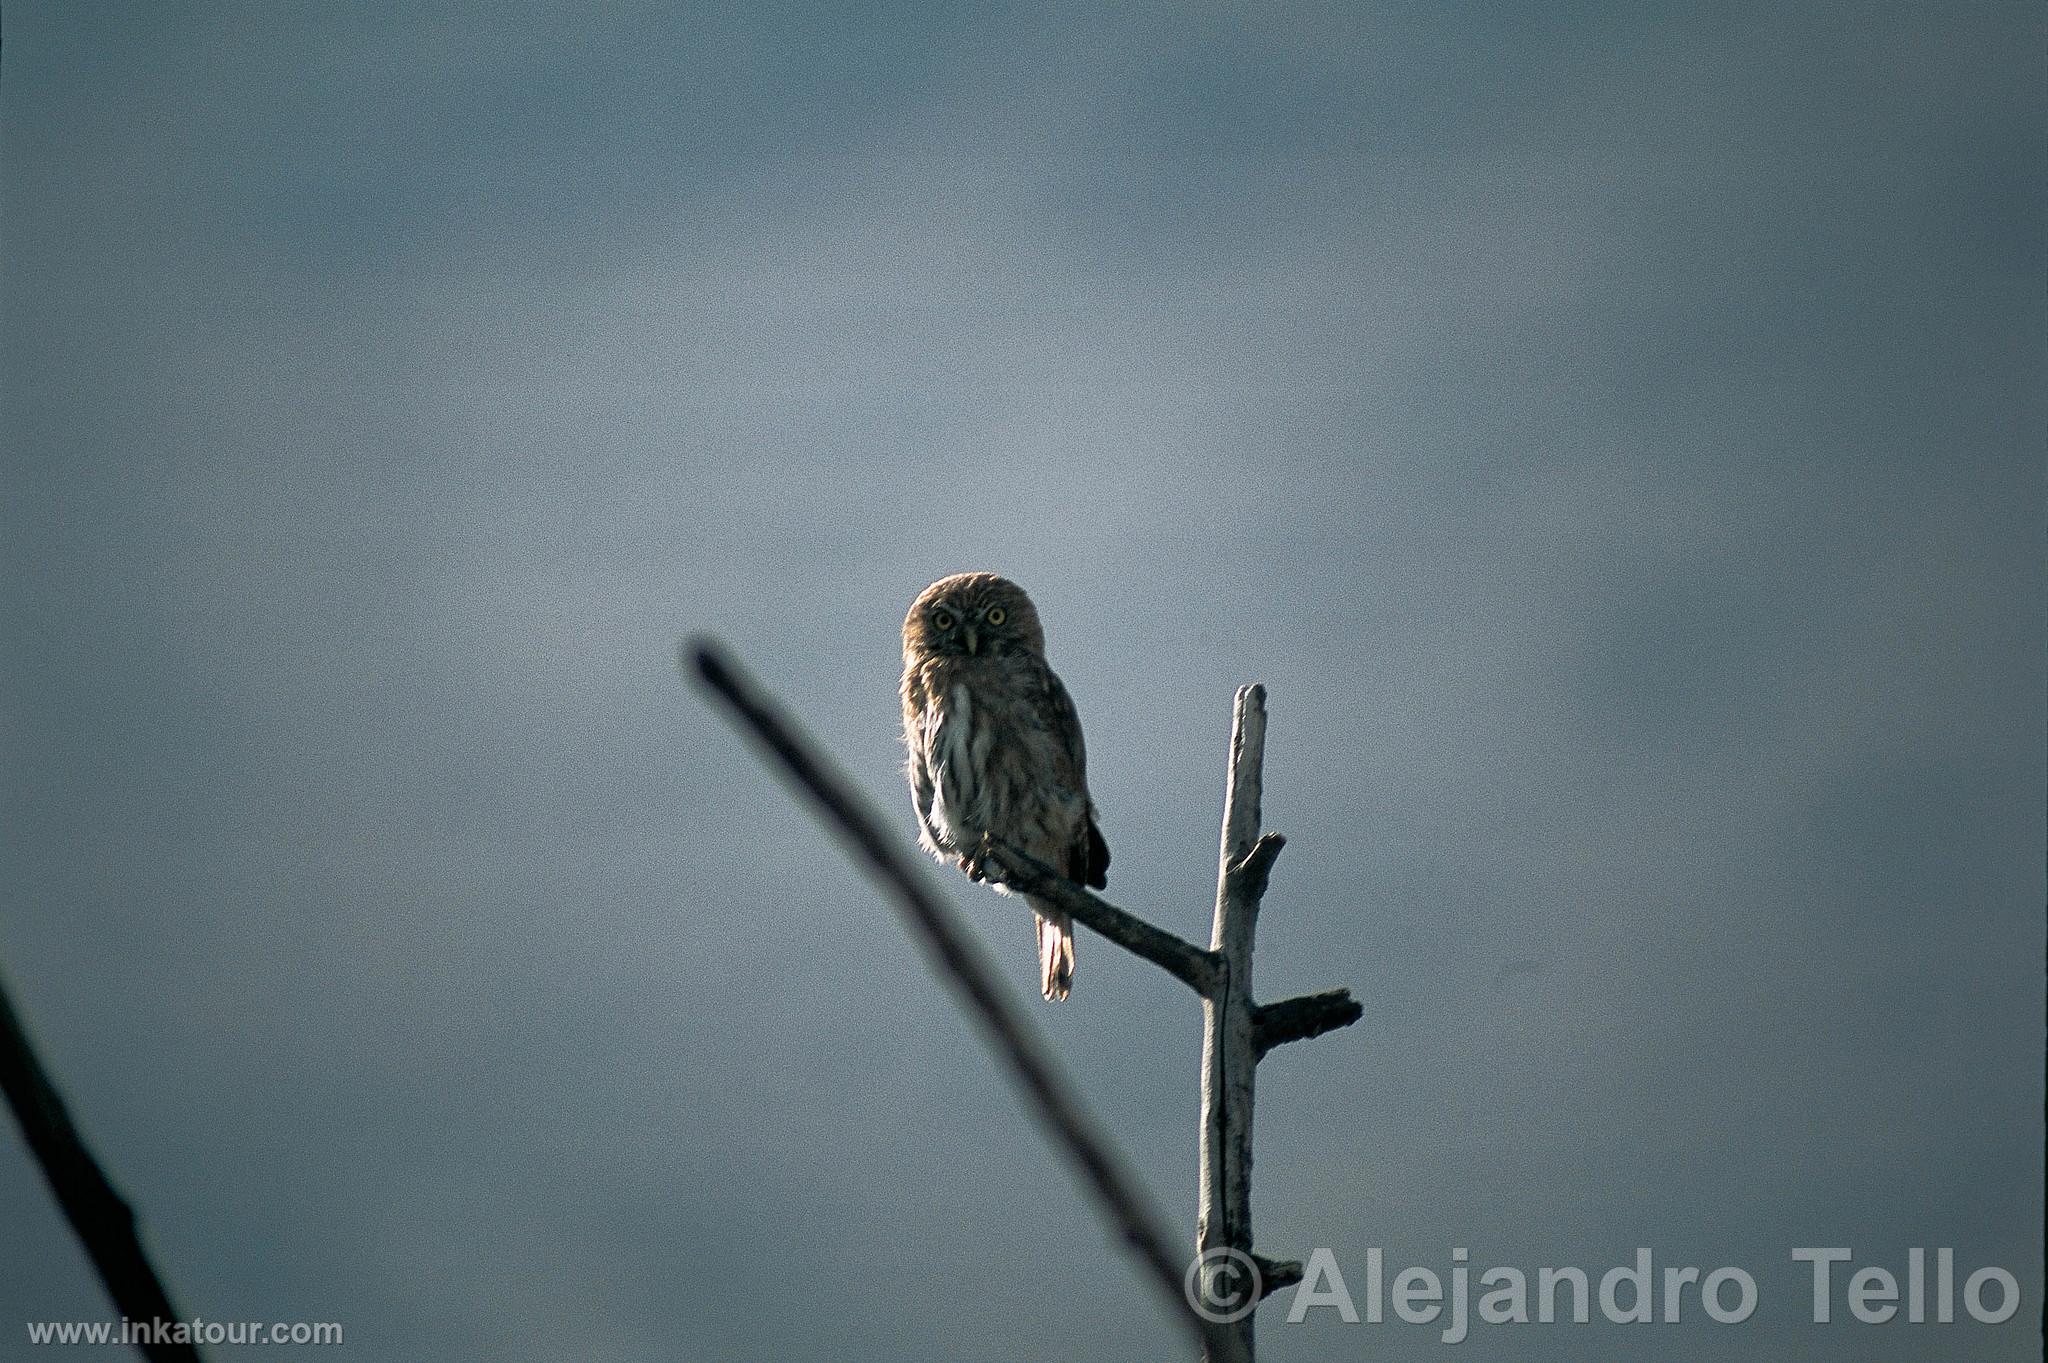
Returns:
(1247, 774)
(1223, 1213)
(104, 1222)
(1249, 875)
(1024, 873)
(1275, 1274)
(1303, 1017)
(952, 950)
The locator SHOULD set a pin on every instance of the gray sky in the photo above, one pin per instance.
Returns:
(1613, 432)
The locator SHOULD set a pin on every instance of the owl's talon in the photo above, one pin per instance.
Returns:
(980, 858)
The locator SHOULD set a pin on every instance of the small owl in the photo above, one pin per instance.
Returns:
(995, 746)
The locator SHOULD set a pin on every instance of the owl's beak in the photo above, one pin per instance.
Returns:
(973, 644)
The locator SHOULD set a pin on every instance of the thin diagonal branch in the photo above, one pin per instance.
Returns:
(104, 1222)
(958, 960)
(1026, 874)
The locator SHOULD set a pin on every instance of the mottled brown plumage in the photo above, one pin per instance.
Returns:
(995, 746)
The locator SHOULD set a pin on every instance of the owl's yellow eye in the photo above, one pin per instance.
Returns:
(996, 615)
(942, 620)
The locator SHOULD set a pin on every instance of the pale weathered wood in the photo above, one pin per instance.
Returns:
(1229, 1046)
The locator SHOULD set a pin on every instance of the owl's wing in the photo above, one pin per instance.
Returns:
(1088, 860)
(1093, 866)
(1056, 713)
(918, 722)
(922, 786)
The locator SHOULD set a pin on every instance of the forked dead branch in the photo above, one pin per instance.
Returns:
(1217, 1293)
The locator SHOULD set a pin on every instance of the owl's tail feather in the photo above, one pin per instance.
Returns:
(1055, 955)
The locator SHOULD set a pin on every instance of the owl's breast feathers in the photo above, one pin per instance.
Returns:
(995, 747)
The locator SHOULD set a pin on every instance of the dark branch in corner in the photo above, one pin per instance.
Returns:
(1303, 1017)
(104, 1222)
(958, 959)
(1024, 873)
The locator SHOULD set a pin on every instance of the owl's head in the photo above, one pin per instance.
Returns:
(972, 614)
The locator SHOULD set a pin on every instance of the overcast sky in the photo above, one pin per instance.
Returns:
(1613, 432)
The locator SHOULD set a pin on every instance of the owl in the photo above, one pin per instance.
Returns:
(995, 747)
